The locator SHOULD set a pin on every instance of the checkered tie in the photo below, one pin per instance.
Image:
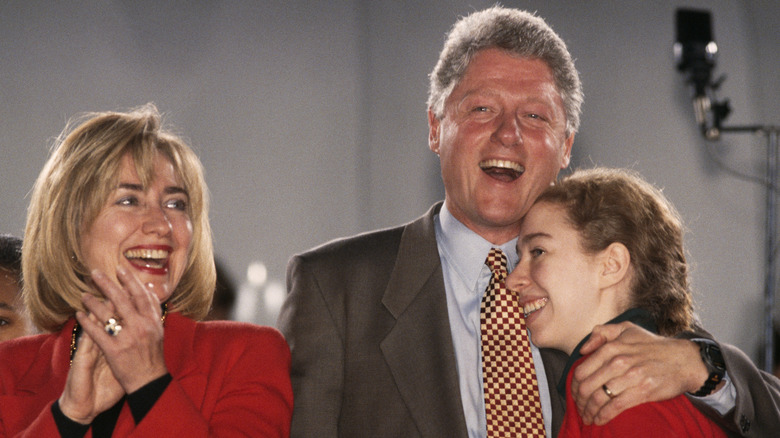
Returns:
(512, 402)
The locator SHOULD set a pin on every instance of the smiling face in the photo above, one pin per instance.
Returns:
(147, 230)
(558, 284)
(501, 141)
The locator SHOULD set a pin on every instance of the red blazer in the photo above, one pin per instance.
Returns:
(676, 417)
(229, 379)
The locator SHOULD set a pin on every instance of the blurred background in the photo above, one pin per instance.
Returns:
(309, 117)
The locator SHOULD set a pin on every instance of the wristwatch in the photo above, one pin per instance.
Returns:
(716, 366)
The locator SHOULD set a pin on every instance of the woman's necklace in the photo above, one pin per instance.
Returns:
(75, 332)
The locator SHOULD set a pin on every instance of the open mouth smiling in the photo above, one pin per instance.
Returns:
(148, 258)
(503, 170)
(532, 306)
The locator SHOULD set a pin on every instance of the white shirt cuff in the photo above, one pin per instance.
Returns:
(722, 400)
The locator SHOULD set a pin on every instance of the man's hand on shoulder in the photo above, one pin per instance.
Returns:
(636, 366)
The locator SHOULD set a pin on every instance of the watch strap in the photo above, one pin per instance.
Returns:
(713, 360)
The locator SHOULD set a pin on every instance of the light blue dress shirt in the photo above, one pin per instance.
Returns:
(463, 253)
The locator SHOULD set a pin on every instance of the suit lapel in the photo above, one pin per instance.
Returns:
(42, 382)
(178, 346)
(47, 373)
(419, 348)
(180, 357)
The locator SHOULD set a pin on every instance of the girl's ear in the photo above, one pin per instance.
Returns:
(616, 261)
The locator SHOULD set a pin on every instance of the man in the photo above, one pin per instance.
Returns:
(384, 327)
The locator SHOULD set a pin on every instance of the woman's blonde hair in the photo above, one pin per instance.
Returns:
(73, 188)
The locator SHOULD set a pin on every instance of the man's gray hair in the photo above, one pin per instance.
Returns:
(517, 32)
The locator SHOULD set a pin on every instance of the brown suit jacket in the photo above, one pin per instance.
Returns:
(372, 351)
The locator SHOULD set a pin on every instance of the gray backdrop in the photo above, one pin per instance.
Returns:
(309, 116)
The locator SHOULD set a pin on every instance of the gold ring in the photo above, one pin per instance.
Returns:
(112, 327)
(607, 391)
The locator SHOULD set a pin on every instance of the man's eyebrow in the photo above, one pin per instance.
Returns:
(478, 93)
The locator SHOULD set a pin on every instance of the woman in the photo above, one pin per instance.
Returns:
(604, 246)
(118, 265)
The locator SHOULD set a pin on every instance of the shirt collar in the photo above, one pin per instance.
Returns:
(467, 250)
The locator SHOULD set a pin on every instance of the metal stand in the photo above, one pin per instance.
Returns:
(771, 246)
(771, 133)
(695, 51)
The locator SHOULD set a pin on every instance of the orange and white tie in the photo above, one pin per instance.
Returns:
(512, 404)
